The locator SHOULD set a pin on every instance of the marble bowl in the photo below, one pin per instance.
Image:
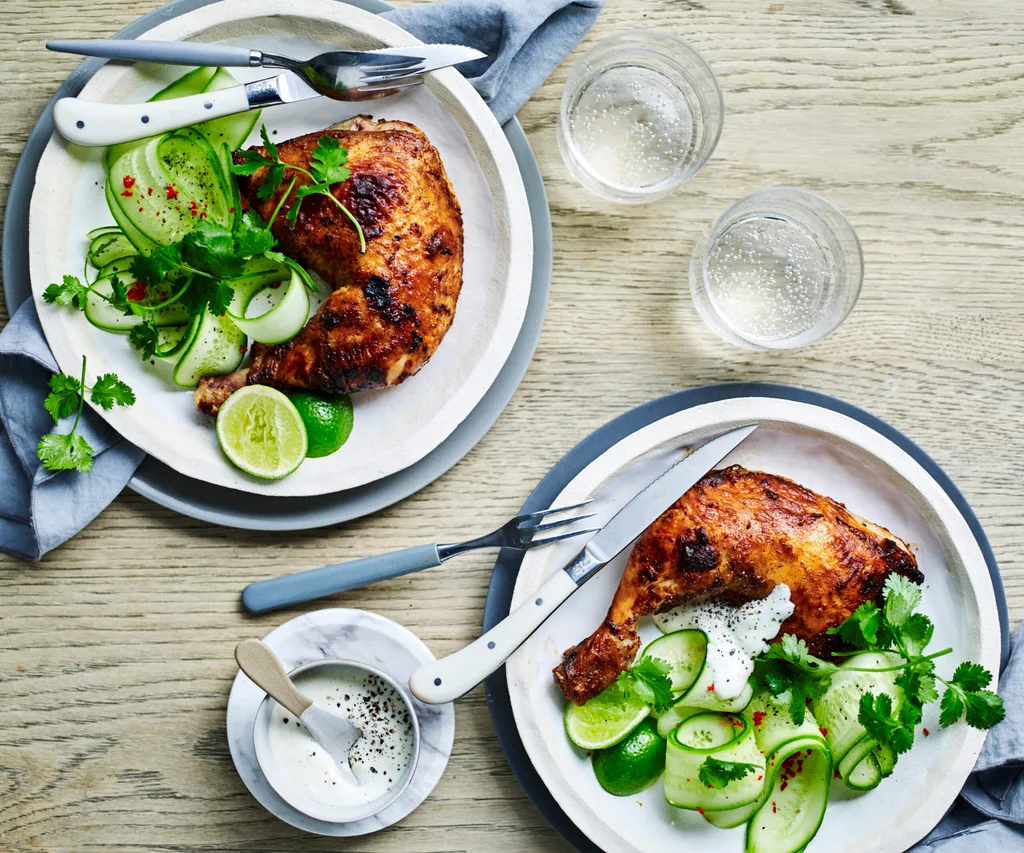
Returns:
(294, 795)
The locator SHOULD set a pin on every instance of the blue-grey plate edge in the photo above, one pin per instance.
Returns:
(230, 508)
(506, 568)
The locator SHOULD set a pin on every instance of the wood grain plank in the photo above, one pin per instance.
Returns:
(115, 659)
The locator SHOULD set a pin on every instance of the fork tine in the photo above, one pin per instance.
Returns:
(519, 519)
(538, 528)
(540, 543)
(391, 67)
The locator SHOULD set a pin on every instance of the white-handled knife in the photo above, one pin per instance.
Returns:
(449, 678)
(342, 75)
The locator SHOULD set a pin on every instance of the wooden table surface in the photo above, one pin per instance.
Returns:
(116, 649)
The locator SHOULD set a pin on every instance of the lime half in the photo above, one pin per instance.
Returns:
(604, 720)
(261, 432)
(328, 420)
(633, 764)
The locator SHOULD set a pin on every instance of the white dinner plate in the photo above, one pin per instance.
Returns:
(835, 456)
(394, 427)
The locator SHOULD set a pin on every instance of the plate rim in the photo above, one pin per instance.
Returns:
(514, 276)
(156, 481)
(508, 563)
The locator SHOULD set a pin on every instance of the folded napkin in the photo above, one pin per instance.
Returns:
(989, 816)
(524, 40)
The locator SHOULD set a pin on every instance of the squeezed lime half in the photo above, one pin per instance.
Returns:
(261, 432)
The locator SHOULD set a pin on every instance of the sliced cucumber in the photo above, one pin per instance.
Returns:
(774, 726)
(190, 84)
(216, 347)
(231, 131)
(684, 652)
(99, 232)
(139, 240)
(701, 694)
(726, 737)
(886, 759)
(793, 807)
(865, 776)
(171, 340)
(183, 160)
(668, 721)
(838, 709)
(101, 313)
(738, 816)
(284, 320)
(108, 247)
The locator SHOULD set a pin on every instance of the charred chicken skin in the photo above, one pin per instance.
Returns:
(390, 306)
(735, 535)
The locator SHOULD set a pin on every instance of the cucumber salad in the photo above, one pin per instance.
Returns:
(191, 276)
(767, 755)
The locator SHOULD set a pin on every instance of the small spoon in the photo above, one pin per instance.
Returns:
(329, 729)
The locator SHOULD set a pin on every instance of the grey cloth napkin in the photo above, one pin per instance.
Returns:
(40, 509)
(989, 816)
(524, 40)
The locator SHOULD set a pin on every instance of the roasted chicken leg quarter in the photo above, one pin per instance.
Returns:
(735, 535)
(391, 306)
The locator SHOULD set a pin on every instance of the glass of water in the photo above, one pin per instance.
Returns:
(780, 269)
(641, 113)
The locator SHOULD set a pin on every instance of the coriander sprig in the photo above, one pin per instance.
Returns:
(70, 451)
(649, 680)
(716, 773)
(903, 634)
(327, 167)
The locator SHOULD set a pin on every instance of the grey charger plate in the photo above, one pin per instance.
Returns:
(503, 580)
(231, 508)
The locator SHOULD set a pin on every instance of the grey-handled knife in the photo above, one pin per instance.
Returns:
(449, 678)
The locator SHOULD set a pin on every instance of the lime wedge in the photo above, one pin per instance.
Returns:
(604, 720)
(261, 432)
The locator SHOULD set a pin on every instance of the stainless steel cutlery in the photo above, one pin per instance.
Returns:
(341, 75)
(449, 678)
(519, 533)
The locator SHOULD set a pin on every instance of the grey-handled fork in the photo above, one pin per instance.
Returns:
(519, 533)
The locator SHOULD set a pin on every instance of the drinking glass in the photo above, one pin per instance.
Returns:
(641, 113)
(780, 269)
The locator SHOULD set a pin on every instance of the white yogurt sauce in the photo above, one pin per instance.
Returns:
(736, 634)
(379, 758)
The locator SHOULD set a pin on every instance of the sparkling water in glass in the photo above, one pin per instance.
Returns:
(641, 113)
(780, 269)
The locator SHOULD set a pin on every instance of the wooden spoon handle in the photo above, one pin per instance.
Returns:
(257, 660)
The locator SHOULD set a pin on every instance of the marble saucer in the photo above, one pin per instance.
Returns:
(358, 635)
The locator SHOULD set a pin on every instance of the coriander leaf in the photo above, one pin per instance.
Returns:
(271, 148)
(876, 715)
(971, 677)
(984, 709)
(208, 246)
(119, 296)
(272, 182)
(650, 680)
(717, 774)
(252, 162)
(293, 212)
(901, 598)
(916, 633)
(109, 391)
(68, 452)
(221, 294)
(70, 291)
(917, 680)
(951, 707)
(63, 399)
(312, 189)
(252, 237)
(860, 629)
(144, 338)
(154, 267)
(328, 161)
(794, 650)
